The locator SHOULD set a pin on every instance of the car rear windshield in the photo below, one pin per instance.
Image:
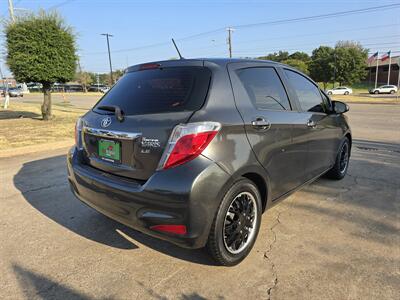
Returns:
(159, 90)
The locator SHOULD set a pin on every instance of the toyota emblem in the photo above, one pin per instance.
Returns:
(105, 122)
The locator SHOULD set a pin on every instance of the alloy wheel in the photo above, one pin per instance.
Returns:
(344, 157)
(240, 222)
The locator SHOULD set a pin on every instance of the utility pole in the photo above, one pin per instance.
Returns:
(376, 69)
(334, 69)
(107, 35)
(82, 77)
(11, 10)
(390, 65)
(6, 95)
(230, 30)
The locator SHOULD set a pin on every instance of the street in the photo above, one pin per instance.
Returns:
(330, 240)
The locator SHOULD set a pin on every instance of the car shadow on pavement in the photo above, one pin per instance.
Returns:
(43, 183)
(35, 285)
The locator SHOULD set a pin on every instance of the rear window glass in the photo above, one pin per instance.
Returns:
(159, 90)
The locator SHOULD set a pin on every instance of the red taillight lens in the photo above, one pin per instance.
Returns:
(188, 141)
(189, 147)
(176, 229)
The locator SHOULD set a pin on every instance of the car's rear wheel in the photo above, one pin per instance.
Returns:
(236, 224)
(329, 93)
(346, 93)
(392, 91)
(341, 165)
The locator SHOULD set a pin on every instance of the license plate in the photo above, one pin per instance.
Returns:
(109, 150)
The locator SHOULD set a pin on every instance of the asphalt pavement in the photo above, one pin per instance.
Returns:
(331, 240)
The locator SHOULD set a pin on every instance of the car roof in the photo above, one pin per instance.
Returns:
(201, 61)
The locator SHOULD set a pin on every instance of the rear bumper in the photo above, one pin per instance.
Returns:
(186, 195)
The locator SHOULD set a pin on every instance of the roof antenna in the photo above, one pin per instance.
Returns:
(177, 50)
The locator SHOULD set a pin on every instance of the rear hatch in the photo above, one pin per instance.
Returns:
(152, 101)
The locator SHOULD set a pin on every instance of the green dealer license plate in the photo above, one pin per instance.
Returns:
(109, 150)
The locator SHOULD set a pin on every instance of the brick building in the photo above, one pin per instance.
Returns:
(383, 69)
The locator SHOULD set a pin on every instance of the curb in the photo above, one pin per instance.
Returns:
(7, 153)
(373, 103)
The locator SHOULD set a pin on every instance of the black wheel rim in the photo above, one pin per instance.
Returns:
(240, 223)
(344, 158)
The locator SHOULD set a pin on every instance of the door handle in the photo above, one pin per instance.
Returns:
(261, 124)
(311, 124)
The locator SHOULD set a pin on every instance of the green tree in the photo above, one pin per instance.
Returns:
(280, 56)
(321, 66)
(297, 64)
(41, 48)
(84, 79)
(300, 56)
(350, 62)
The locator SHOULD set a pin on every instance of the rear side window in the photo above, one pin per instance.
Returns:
(159, 90)
(308, 94)
(264, 88)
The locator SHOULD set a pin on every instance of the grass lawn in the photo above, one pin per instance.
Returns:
(21, 125)
(365, 99)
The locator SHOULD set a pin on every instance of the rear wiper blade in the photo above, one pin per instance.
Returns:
(114, 108)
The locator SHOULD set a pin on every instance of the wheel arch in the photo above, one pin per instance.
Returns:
(261, 186)
(348, 135)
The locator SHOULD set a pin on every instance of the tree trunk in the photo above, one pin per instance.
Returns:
(324, 83)
(46, 106)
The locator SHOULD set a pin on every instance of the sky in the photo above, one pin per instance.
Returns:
(142, 30)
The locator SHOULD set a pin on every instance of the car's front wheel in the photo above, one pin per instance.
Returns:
(236, 224)
(341, 165)
(376, 92)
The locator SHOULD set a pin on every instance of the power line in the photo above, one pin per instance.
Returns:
(277, 22)
(315, 34)
(322, 16)
(282, 47)
(60, 4)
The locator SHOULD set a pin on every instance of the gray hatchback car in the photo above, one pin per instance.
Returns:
(193, 151)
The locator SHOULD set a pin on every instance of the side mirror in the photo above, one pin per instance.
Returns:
(339, 107)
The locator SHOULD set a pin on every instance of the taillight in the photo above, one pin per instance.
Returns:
(188, 141)
(78, 135)
(176, 229)
(149, 66)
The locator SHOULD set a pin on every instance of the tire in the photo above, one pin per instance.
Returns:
(341, 165)
(376, 92)
(329, 93)
(392, 91)
(346, 93)
(218, 244)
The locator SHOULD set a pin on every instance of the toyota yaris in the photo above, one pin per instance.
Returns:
(194, 151)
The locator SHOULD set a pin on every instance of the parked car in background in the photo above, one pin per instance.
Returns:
(97, 87)
(70, 88)
(193, 151)
(340, 90)
(384, 89)
(34, 86)
(104, 90)
(15, 92)
(67, 88)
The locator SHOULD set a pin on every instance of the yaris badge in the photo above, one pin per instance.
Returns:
(105, 122)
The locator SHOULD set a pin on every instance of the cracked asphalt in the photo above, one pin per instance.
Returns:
(331, 240)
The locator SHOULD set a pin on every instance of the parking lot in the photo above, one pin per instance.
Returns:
(331, 240)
